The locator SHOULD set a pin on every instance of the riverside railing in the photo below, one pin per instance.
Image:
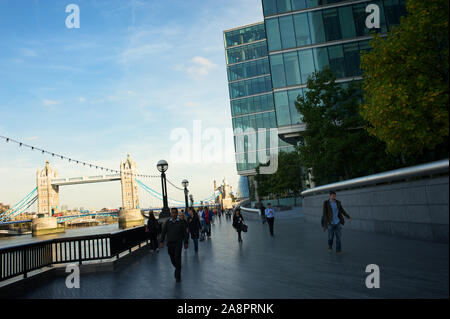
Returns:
(21, 259)
(433, 168)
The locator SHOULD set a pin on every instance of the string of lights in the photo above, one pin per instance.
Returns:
(72, 160)
(181, 189)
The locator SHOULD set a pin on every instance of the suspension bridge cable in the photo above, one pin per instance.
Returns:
(13, 213)
(19, 204)
(72, 160)
(182, 189)
(20, 211)
(159, 194)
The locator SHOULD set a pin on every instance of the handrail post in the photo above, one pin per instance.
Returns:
(24, 260)
(79, 253)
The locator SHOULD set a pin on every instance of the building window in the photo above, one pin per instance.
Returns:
(282, 108)
(296, 117)
(278, 76)
(337, 61)
(292, 68)
(287, 32)
(273, 34)
(306, 64)
(302, 29)
(316, 27)
(331, 24)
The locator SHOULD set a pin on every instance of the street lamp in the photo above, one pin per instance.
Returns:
(185, 184)
(162, 166)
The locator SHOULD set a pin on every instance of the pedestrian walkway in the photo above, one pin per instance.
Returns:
(295, 263)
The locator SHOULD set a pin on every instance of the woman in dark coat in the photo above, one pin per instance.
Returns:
(238, 222)
(153, 230)
(194, 227)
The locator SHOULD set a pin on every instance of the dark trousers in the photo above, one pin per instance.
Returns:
(195, 240)
(174, 249)
(153, 241)
(239, 235)
(334, 230)
(270, 221)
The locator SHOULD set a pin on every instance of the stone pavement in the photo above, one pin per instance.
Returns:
(295, 263)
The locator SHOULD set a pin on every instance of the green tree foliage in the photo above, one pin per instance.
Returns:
(406, 82)
(335, 144)
(287, 180)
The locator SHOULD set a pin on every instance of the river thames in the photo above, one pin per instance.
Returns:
(92, 230)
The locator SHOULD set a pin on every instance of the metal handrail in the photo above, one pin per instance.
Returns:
(20, 259)
(251, 210)
(437, 167)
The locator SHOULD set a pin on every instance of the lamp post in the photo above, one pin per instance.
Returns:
(162, 166)
(185, 184)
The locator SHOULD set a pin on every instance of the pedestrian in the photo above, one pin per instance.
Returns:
(154, 229)
(194, 227)
(333, 218)
(270, 217)
(207, 217)
(184, 219)
(175, 230)
(238, 223)
(263, 213)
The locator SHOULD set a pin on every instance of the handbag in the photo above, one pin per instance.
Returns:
(244, 228)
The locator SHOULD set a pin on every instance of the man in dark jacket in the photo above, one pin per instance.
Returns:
(333, 217)
(175, 230)
(194, 227)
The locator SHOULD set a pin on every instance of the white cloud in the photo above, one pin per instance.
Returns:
(200, 66)
(81, 99)
(28, 52)
(31, 138)
(47, 102)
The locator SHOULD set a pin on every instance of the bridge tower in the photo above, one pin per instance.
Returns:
(130, 213)
(48, 203)
(48, 194)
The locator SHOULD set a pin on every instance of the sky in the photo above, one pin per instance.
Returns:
(145, 78)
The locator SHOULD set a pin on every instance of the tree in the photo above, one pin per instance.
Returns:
(406, 82)
(285, 181)
(335, 144)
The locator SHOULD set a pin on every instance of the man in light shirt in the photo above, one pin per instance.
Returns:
(333, 218)
(270, 217)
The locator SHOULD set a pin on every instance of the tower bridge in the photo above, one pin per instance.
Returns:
(48, 187)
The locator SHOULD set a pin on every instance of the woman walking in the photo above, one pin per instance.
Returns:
(194, 227)
(238, 223)
(154, 229)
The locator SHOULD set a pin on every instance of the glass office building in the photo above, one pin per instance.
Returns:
(268, 63)
(251, 97)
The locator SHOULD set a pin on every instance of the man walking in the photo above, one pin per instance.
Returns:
(270, 217)
(263, 212)
(333, 217)
(207, 216)
(175, 229)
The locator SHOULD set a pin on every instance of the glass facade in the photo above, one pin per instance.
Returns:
(251, 96)
(274, 7)
(268, 64)
(294, 67)
(321, 26)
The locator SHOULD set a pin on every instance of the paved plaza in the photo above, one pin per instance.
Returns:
(295, 263)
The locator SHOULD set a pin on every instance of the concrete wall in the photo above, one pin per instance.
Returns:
(288, 201)
(415, 209)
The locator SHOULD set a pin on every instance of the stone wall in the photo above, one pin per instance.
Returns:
(415, 209)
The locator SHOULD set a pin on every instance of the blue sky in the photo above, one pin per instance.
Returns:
(132, 73)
